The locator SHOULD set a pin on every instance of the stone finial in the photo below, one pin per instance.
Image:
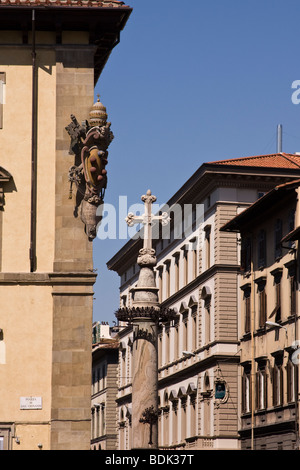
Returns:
(98, 115)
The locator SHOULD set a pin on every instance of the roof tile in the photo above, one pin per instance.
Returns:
(276, 160)
(65, 3)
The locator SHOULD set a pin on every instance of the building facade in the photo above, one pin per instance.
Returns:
(197, 274)
(124, 392)
(269, 326)
(51, 56)
(105, 354)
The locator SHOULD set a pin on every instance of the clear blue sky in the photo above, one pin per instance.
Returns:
(193, 81)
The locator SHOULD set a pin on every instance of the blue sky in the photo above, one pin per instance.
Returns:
(193, 81)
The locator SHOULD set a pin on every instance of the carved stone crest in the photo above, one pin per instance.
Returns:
(89, 144)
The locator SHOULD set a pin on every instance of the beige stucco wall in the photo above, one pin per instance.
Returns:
(26, 350)
(26, 308)
(16, 140)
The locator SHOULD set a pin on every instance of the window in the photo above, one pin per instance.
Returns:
(291, 224)
(278, 238)
(5, 437)
(167, 278)
(247, 307)
(183, 418)
(291, 266)
(102, 419)
(160, 348)
(123, 367)
(278, 381)
(262, 249)
(278, 302)
(262, 300)
(167, 345)
(123, 301)
(193, 242)
(207, 321)
(193, 416)
(246, 255)
(206, 296)
(93, 424)
(246, 389)
(195, 329)
(293, 292)
(176, 342)
(277, 273)
(176, 267)
(185, 267)
(261, 386)
(185, 331)
(2, 96)
(184, 310)
(207, 230)
(291, 374)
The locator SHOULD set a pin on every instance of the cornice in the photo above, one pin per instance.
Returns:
(198, 366)
(103, 23)
(52, 279)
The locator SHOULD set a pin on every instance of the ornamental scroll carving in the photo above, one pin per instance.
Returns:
(89, 144)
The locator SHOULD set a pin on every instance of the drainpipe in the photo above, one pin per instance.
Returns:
(32, 251)
(252, 348)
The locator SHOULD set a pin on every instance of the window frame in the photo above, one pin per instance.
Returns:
(2, 83)
(262, 249)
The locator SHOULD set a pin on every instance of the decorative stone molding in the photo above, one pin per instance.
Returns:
(155, 314)
(192, 389)
(222, 384)
(146, 257)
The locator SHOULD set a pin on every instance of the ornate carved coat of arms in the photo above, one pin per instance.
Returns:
(89, 144)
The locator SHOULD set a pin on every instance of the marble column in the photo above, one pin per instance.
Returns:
(145, 316)
(145, 360)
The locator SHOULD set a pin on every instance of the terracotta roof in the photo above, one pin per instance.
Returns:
(65, 3)
(276, 160)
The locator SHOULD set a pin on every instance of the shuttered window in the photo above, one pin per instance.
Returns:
(262, 249)
(2, 96)
(278, 238)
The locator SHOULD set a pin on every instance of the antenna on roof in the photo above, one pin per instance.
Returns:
(279, 138)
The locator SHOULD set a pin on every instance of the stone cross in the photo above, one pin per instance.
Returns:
(147, 315)
(147, 219)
